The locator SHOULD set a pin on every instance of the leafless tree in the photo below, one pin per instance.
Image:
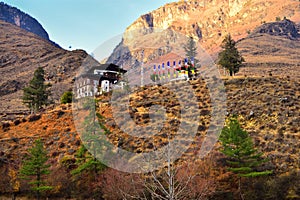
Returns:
(175, 181)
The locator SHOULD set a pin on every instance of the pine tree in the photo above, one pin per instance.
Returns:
(36, 94)
(190, 49)
(87, 163)
(230, 57)
(35, 168)
(243, 157)
(93, 131)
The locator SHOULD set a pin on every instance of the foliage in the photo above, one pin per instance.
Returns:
(243, 158)
(86, 174)
(176, 181)
(190, 49)
(93, 135)
(275, 188)
(35, 168)
(66, 97)
(230, 57)
(5, 179)
(36, 94)
(86, 162)
(278, 19)
(153, 77)
(237, 145)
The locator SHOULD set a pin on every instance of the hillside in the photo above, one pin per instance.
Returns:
(268, 109)
(272, 48)
(264, 96)
(21, 53)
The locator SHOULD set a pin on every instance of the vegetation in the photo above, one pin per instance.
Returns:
(230, 57)
(278, 19)
(92, 132)
(36, 94)
(80, 176)
(87, 162)
(153, 77)
(190, 49)
(243, 158)
(66, 97)
(35, 168)
(275, 188)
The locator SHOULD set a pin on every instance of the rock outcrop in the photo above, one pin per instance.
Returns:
(206, 21)
(273, 45)
(285, 28)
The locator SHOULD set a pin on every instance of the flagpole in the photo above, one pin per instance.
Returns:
(142, 69)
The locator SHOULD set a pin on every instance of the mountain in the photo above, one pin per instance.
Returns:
(21, 52)
(206, 21)
(17, 17)
(272, 48)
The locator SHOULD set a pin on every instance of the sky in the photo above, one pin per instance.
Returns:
(85, 24)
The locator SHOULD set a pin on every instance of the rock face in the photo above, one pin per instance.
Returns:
(285, 28)
(206, 21)
(17, 17)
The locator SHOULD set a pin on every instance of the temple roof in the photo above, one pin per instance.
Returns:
(108, 67)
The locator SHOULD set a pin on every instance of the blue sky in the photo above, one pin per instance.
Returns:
(85, 24)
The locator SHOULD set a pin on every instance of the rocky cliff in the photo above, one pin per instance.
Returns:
(17, 17)
(206, 21)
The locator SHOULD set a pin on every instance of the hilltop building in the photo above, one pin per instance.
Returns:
(97, 80)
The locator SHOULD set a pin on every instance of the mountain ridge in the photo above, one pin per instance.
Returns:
(207, 22)
(23, 20)
(21, 53)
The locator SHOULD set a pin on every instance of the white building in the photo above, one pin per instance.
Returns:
(97, 80)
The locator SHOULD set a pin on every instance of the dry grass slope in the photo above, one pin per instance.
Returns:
(268, 109)
(21, 53)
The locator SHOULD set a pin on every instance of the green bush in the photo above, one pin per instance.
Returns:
(66, 97)
(278, 19)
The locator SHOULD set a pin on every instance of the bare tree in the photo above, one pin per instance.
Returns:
(175, 181)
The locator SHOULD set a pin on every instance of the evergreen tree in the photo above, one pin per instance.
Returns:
(190, 49)
(35, 168)
(37, 93)
(243, 157)
(230, 57)
(87, 163)
(93, 131)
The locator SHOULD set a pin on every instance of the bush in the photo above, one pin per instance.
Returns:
(275, 188)
(66, 97)
(34, 117)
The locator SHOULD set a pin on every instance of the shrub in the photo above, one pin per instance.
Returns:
(34, 117)
(66, 97)
(275, 188)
